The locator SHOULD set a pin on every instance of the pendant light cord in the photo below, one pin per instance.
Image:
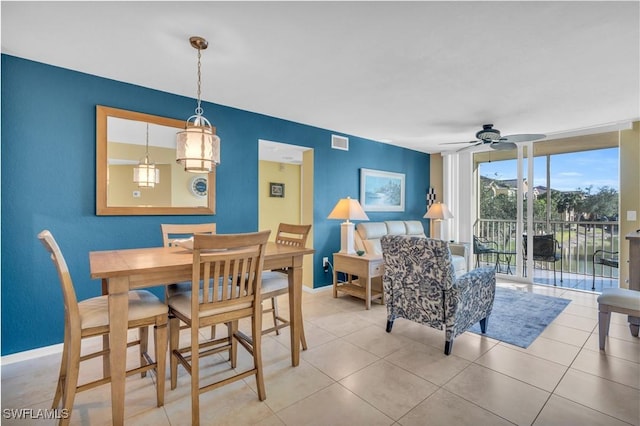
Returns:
(199, 110)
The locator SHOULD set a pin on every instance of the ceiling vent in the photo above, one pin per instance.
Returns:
(339, 142)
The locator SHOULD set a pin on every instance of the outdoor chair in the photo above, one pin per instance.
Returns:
(605, 258)
(545, 249)
(420, 285)
(482, 246)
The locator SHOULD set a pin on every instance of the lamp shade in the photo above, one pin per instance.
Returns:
(146, 175)
(348, 209)
(438, 211)
(198, 148)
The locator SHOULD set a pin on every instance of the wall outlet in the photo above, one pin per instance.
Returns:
(325, 264)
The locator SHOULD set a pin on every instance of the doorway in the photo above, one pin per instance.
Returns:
(285, 191)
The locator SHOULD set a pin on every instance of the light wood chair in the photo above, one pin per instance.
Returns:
(172, 232)
(276, 283)
(90, 318)
(235, 261)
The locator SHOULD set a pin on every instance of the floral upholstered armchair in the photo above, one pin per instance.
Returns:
(420, 285)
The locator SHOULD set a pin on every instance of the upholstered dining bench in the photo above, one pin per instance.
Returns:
(619, 300)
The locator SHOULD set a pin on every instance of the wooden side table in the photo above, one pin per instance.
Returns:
(365, 268)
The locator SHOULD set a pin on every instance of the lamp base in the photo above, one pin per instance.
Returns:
(346, 238)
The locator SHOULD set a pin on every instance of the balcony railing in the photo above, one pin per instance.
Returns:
(578, 241)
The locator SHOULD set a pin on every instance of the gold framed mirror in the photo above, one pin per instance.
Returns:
(123, 138)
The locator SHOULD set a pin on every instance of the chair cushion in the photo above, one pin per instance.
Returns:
(181, 302)
(414, 227)
(621, 298)
(273, 281)
(94, 312)
(396, 227)
(371, 230)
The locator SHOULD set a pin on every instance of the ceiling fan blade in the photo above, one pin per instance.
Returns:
(470, 146)
(503, 146)
(454, 143)
(523, 137)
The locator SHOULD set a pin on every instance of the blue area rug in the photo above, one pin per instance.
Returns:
(518, 317)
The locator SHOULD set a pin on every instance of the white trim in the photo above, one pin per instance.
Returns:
(31, 354)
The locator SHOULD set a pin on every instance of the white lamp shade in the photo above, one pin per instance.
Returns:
(146, 175)
(198, 149)
(348, 209)
(438, 211)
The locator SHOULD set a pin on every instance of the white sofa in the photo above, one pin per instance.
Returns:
(368, 234)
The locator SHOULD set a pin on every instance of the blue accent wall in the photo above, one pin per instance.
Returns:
(48, 182)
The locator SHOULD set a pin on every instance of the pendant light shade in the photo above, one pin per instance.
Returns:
(198, 148)
(146, 174)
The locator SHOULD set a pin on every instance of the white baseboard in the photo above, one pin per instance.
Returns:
(31, 354)
(56, 349)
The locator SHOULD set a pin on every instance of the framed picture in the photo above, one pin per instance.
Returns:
(276, 189)
(381, 191)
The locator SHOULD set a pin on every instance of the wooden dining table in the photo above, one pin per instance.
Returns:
(129, 269)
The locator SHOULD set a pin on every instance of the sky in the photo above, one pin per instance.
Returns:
(568, 171)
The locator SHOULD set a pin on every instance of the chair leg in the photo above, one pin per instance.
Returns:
(256, 322)
(71, 381)
(143, 337)
(604, 317)
(448, 345)
(554, 273)
(389, 325)
(303, 339)
(160, 339)
(63, 370)
(274, 313)
(195, 377)
(483, 325)
(233, 352)
(213, 332)
(174, 334)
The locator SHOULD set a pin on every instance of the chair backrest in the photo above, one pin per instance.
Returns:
(171, 232)
(233, 259)
(292, 235)
(544, 246)
(415, 261)
(68, 292)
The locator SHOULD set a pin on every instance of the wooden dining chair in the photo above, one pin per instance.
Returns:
(235, 261)
(276, 283)
(172, 232)
(90, 318)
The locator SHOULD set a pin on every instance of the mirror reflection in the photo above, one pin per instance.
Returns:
(128, 143)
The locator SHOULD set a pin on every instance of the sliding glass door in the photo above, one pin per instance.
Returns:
(555, 199)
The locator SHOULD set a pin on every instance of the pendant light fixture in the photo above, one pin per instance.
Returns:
(198, 148)
(146, 174)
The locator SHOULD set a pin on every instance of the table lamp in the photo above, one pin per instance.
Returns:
(437, 213)
(347, 209)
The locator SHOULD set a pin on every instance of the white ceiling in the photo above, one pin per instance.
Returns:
(413, 74)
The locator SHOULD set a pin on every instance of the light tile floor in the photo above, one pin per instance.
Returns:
(354, 373)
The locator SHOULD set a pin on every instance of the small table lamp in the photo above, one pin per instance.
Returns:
(437, 212)
(347, 209)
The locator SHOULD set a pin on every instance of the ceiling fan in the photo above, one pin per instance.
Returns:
(489, 135)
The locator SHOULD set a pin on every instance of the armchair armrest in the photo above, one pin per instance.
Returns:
(474, 294)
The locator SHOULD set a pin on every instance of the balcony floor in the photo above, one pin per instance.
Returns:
(569, 280)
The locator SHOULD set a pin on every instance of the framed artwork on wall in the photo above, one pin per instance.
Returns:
(381, 191)
(276, 189)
